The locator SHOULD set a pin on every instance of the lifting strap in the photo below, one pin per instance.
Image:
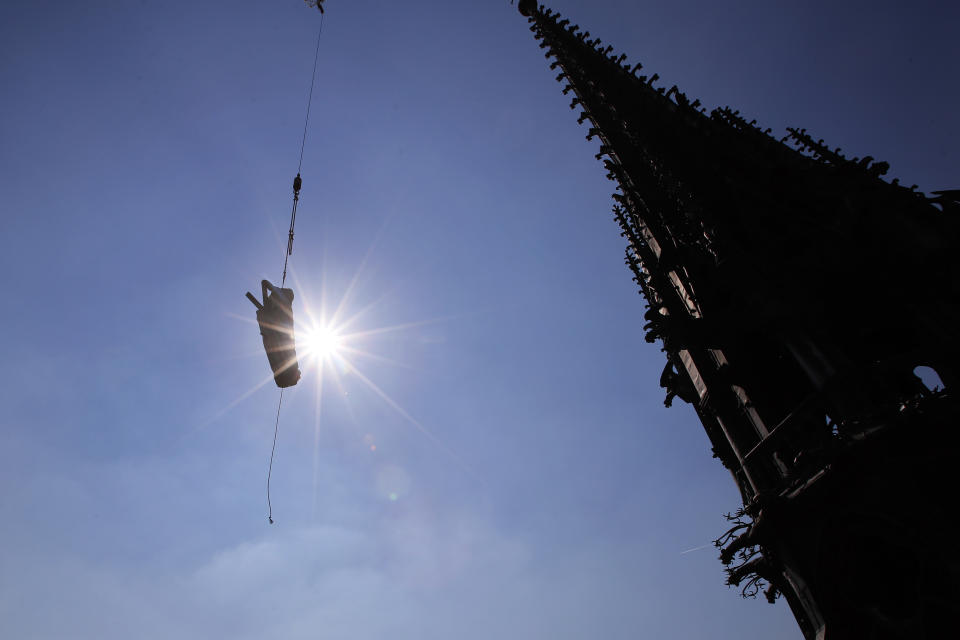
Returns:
(297, 183)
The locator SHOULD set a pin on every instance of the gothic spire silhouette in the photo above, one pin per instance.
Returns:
(794, 292)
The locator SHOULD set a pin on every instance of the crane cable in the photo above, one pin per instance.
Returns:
(297, 182)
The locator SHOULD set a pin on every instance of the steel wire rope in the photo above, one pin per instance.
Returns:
(276, 428)
(286, 257)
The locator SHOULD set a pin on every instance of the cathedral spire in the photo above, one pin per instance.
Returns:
(793, 291)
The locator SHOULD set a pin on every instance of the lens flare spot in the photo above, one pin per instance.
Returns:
(393, 482)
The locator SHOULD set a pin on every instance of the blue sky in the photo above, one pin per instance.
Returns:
(526, 480)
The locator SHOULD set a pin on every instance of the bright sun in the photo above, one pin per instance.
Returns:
(323, 342)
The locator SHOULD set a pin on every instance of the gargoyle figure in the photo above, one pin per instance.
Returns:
(677, 384)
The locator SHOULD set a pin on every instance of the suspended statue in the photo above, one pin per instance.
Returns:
(275, 317)
(275, 314)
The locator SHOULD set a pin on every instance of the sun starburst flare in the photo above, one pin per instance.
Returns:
(322, 342)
